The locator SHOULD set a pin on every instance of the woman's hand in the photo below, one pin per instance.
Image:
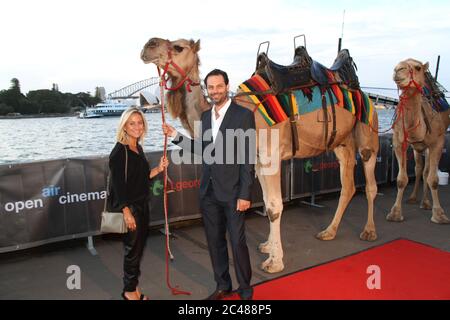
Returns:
(129, 219)
(163, 164)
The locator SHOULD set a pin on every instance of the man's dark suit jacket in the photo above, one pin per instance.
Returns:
(229, 181)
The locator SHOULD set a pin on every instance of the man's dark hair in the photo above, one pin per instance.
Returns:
(217, 72)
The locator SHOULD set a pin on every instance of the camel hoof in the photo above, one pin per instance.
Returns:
(325, 235)
(395, 216)
(439, 216)
(412, 200)
(426, 205)
(270, 266)
(264, 247)
(368, 235)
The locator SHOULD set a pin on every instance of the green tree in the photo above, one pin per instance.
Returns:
(87, 99)
(16, 100)
(26, 107)
(48, 101)
(15, 85)
(43, 101)
(13, 97)
(5, 109)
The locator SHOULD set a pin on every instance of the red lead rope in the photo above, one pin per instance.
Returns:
(180, 71)
(401, 112)
(174, 290)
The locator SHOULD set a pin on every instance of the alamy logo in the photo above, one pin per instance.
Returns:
(74, 280)
(374, 281)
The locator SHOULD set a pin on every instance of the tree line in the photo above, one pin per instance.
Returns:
(43, 101)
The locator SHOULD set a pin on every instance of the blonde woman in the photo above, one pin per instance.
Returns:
(131, 194)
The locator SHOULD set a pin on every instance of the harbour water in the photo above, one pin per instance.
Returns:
(37, 139)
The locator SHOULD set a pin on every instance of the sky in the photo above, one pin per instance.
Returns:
(85, 44)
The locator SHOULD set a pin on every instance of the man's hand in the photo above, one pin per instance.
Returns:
(242, 205)
(169, 130)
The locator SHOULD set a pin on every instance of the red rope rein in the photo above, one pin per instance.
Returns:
(401, 108)
(175, 290)
(185, 76)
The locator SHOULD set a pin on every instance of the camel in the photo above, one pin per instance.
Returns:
(180, 61)
(419, 125)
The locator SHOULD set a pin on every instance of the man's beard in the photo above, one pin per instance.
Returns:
(222, 100)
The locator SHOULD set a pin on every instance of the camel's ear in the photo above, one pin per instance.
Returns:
(196, 46)
(425, 67)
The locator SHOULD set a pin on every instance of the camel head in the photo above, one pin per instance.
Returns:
(182, 52)
(408, 71)
(180, 62)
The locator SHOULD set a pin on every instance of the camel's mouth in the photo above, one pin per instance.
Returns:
(148, 61)
(398, 79)
(147, 58)
(151, 52)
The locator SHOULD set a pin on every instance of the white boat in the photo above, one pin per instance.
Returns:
(89, 114)
(108, 108)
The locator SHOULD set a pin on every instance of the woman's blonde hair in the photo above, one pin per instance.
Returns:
(122, 136)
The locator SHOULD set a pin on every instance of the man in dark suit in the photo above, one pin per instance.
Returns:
(228, 149)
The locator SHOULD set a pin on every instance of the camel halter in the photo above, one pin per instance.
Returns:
(162, 85)
(400, 111)
(184, 74)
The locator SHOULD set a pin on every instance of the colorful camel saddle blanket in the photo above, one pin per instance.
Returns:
(278, 108)
(432, 90)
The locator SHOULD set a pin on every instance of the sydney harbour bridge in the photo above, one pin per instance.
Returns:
(137, 90)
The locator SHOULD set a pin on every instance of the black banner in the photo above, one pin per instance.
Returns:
(58, 199)
(321, 174)
(47, 201)
(182, 197)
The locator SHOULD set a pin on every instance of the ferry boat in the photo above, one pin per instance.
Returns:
(89, 114)
(106, 108)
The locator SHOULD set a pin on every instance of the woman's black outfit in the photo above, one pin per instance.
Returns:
(132, 194)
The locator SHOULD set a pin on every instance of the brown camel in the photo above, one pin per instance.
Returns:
(419, 125)
(180, 59)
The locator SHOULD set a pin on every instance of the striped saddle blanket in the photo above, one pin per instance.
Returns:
(433, 92)
(278, 108)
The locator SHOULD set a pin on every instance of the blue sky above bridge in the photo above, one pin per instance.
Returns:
(87, 43)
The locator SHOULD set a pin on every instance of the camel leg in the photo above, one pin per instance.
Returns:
(426, 204)
(271, 187)
(346, 157)
(264, 247)
(418, 159)
(402, 182)
(369, 232)
(435, 152)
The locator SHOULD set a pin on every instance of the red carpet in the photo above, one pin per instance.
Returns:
(408, 270)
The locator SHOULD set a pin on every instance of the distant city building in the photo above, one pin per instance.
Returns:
(100, 92)
(55, 87)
